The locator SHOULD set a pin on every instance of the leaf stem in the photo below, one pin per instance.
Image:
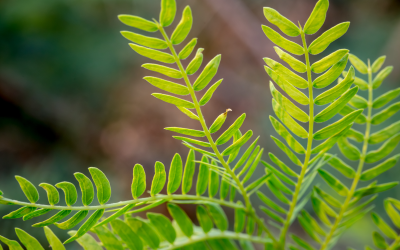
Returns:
(249, 208)
(213, 235)
(360, 165)
(309, 146)
(124, 203)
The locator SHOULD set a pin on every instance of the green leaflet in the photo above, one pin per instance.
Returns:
(28, 188)
(282, 166)
(102, 184)
(201, 151)
(272, 215)
(317, 17)
(159, 178)
(250, 226)
(54, 242)
(153, 54)
(383, 226)
(173, 73)
(138, 22)
(361, 119)
(138, 182)
(163, 226)
(196, 62)
(36, 213)
(361, 192)
(87, 189)
(348, 150)
(181, 218)
(278, 184)
(270, 203)
(188, 172)
(329, 60)
(328, 198)
(14, 245)
(188, 113)
(245, 155)
(71, 195)
(186, 131)
(381, 76)
(301, 242)
(27, 240)
(293, 62)
(188, 49)
(73, 221)
(240, 220)
(218, 215)
(255, 185)
(323, 41)
(109, 240)
(249, 161)
(385, 114)
(213, 181)
(52, 194)
(322, 210)
(358, 102)
(284, 24)
(57, 217)
(183, 28)
(174, 100)
(385, 98)
(168, 11)
(127, 235)
(275, 190)
(290, 140)
(146, 41)
(332, 74)
(253, 167)
(286, 104)
(200, 143)
(171, 87)
(122, 211)
(87, 225)
(207, 74)
(204, 219)
(202, 179)
(385, 133)
(239, 143)
(294, 93)
(336, 106)
(358, 81)
(358, 64)
(355, 135)
(87, 242)
(331, 94)
(383, 151)
(287, 151)
(224, 138)
(207, 96)
(379, 241)
(308, 228)
(391, 211)
(376, 66)
(224, 189)
(144, 231)
(381, 168)
(282, 42)
(334, 183)
(175, 174)
(332, 129)
(286, 73)
(328, 144)
(288, 120)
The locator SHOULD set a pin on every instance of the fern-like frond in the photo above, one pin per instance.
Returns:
(294, 196)
(340, 211)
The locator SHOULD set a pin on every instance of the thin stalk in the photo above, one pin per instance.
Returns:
(124, 203)
(360, 164)
(249, 207)
(309, 145)
(213, 235)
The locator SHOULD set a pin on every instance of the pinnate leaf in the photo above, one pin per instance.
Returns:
(184, 26)
(317, 17)
(282, 42)
(153, 54)
(284, 24)
(138, 22)
(139, 181)
(323, 41)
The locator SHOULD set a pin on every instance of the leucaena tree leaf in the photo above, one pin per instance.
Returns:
(168, 11)
(28, 188)
(138, 182)
(323, 41)
(284, 24)
(182, 30)
(282, 42)
(153, 54)
(146, 41)
(317, 17)
(138, 22)
(188, 49)
(102, 185)
(175, 174)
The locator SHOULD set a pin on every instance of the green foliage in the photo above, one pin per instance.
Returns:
(228, 165)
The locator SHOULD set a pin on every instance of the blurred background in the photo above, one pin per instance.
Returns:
(72, 94)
